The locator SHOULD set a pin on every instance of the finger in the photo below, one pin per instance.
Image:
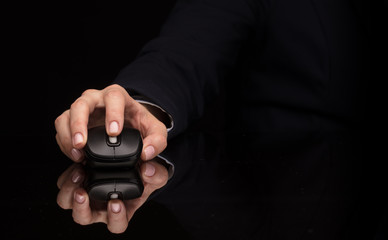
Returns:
(66, 193)
(65, 175)
(82, 213)
(154, 176)
(155, 137)
(153, 131)
(79, 117)
(63, 137)
(62, 146)
(117, 217)
(114, 101)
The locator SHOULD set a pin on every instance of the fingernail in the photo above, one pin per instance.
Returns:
(149, 152)
(149, 170)
(79, 198)
(115, 207)
(77, 139)
(76, 178)
(76, 154)
(114, 127)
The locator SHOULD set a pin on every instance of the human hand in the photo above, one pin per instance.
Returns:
(116, 213)
(88, 111)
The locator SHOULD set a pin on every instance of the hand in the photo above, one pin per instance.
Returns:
(116, 214)
(88, 111)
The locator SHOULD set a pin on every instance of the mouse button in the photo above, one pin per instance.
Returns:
(130, 145)
(99, 150)
(96, 146)
(113, 140)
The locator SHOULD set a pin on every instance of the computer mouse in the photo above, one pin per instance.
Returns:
(103, 151)
(104, 185)
(111, 164)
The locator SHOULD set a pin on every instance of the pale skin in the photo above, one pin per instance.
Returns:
(72, 126)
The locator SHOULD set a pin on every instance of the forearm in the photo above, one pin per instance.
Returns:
(181, 69)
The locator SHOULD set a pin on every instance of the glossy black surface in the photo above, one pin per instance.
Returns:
(226, 186)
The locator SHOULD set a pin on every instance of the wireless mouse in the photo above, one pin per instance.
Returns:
(103, 151)
(111, 164)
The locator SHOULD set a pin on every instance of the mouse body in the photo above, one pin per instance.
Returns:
(103, 151)
(112, 171)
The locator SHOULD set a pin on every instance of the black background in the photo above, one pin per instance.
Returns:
(54, 53)
(93, 42)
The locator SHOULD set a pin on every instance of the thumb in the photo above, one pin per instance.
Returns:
(155, 139)
(154, 176)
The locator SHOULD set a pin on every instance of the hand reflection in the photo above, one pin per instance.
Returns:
(116, 213)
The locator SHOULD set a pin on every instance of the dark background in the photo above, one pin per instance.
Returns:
(95, 41)
(52, 54)
(57, 52)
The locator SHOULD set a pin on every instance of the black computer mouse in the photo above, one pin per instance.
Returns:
(103, 151)
(111, 170)
(106, 184)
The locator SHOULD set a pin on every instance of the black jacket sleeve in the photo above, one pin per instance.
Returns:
(181, 69)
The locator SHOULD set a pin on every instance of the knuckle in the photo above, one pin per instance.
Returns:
(161, 179)
(57, 121)
(159, 182)
(164, 142)
(161, 141)
(89, 92)
(59, 184)
(116, 86)
(163, 182)
(79, 103)
(63, 204)
(113, 93)
(61, 118)
(163, 129)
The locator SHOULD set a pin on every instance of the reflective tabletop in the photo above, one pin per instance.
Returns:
(226, 185)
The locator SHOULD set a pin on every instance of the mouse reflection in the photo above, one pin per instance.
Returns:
(240, 187)
(77, 181)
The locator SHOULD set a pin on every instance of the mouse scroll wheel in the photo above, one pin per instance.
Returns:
(112, 140)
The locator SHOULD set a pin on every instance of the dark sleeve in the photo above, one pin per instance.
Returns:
(181, 69)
